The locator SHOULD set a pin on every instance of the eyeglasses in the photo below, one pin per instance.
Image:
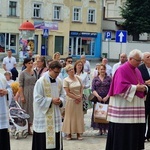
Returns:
(71, 69)
(138, 60)
(56, 72)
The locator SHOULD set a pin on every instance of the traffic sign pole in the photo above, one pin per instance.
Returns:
(108, 38)
(121, 37)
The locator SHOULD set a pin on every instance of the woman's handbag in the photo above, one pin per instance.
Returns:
(100, 113)
(93, 98)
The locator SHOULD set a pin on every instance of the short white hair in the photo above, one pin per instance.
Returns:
(135, 52)
(83, 57)
(145, 53)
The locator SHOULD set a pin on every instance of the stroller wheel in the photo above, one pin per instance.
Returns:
(16, 135)
(24, 134)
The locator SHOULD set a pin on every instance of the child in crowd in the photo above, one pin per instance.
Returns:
(8, 76)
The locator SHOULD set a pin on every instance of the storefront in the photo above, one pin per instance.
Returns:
(85, 43)
(8, 41)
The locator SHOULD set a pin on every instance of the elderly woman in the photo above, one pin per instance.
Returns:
(73, 120)
(100, 88)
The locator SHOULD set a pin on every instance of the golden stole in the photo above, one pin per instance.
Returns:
(50, 119)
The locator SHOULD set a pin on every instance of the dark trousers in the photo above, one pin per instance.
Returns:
(39, 141)
(4, 139)
(147, 117)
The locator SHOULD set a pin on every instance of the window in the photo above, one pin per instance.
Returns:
(110, 10)
(37, 13)
(12, 8)
(59, 44)
(91, 16)
(77, 14)
(57, 13)
(8, 41)
(81, 45)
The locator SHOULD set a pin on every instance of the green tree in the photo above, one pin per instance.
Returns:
(137, 17)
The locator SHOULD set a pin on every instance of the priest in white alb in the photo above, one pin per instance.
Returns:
(49, 97)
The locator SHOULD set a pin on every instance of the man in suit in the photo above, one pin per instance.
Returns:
(145, 71)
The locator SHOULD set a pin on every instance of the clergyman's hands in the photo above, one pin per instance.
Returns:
(141, 87)
(147, 82)
(56, 101)
(3, 92)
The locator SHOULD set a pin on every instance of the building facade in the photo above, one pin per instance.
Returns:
(71, 27)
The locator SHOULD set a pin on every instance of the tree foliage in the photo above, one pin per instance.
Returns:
(137, 16)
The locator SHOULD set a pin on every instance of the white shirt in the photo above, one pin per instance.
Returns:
(9, 62)
(95, 73)
(108, 70)
(10, 82)
(148, 69)
(87, 67)
(85, 80)
(115, 67)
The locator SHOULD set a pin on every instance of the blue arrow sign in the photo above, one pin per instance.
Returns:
(107, 35)
(121, 36)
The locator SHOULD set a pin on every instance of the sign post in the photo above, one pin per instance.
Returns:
(108, 38)
(121, 37)
(45, 35)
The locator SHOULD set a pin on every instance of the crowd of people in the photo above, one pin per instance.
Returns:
(46, 87)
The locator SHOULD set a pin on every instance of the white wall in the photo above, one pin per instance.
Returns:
(113, 49)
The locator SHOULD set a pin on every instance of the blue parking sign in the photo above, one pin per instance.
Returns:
(107, 35)
(45, 32)
(121, 36)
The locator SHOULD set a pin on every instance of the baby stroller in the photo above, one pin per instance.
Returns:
(18, 120)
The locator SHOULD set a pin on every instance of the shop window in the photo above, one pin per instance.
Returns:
(77, 14)
(81, 45)
(59, 44)
(91, 16)
(12, 8)
(57, 13)
(8, 41)
(37, 10)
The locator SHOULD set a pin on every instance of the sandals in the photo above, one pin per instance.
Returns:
(68, 137)
(79, 138)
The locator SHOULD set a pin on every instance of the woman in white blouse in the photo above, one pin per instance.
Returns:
(78, 68)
